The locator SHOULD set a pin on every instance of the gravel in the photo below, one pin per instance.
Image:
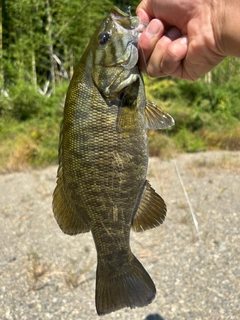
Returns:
(45, 274)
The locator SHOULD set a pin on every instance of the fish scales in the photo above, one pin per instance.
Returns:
(103, 158)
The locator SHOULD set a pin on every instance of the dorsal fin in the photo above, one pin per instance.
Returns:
(151, 212)
(156, 117)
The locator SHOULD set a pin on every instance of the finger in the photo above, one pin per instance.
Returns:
(155, 60)
(148, 40)
(143, 15)
(172, 59)
(144, 10)
(154, 65)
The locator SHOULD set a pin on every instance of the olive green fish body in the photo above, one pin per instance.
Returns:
(103, 158)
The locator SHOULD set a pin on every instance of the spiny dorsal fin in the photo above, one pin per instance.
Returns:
(151, 212)
(156, 117)
(68, 219)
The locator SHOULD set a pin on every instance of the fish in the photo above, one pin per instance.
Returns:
(103, 159)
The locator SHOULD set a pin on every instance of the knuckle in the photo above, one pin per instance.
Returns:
(153, 72)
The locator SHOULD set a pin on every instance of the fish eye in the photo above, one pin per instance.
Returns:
(104, 37)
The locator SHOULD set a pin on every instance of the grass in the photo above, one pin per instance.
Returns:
(29, 128)
(206, 116)
(29, 144)
(40, 274)
(37, 272)
(74, 277)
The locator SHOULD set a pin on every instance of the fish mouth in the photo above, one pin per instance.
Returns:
(131, 27)
(127, 24)
(131, 24)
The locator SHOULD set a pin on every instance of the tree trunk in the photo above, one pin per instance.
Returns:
(50, 48)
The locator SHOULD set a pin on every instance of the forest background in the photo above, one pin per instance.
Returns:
(41, 42)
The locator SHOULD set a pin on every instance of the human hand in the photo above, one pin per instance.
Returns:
(184, 38)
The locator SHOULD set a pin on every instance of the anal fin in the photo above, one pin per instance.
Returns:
(151, 211)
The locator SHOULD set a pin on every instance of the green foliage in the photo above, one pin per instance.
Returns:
(228, 69)
(186, 140)
(206, 112)
(222, 100)
(29, 127)
(32, 143)
(44, 40)
(24, 102)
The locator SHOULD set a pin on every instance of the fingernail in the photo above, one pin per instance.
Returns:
(153, 28)
(183, 40)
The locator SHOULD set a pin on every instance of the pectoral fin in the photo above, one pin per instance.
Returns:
(151, 212)
(68, 217)
(156, 117)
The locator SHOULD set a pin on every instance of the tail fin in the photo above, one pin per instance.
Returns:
(127, 286)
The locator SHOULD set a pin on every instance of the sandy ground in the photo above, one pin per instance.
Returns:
(45, 274)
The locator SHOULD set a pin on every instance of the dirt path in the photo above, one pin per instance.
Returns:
(45, 274)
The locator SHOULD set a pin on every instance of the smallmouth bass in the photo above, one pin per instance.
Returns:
(103, 159)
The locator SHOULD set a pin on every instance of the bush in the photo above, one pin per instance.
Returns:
(205, 113)
(29, 127)
(24, 102)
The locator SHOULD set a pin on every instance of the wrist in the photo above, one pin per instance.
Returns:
(226, 23)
